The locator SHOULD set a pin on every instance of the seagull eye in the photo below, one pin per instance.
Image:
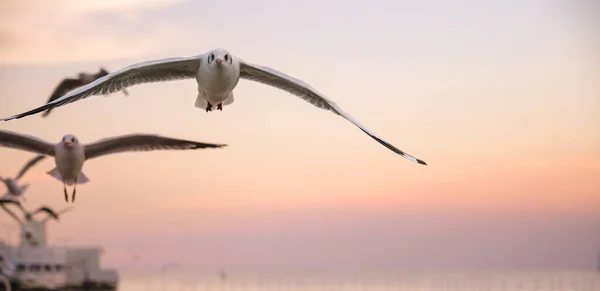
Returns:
(212, 57)
(226, 57)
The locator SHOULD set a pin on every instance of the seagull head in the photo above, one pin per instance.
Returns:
(103, 72)
(69, 140)
(219, 57)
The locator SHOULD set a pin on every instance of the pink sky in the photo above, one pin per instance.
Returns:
(501, 100)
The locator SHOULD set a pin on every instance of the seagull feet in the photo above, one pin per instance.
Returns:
(74, 192)
(66, 195)
(220, 106)
(208, 107)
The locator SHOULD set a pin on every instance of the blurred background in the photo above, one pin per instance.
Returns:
(500, 99)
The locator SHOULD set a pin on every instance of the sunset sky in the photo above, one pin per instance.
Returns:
(500, 99)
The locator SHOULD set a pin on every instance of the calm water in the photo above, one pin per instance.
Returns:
(524, 281)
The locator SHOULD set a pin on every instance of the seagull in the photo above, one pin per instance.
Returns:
(11, 183)
(222, 275)
(29, 215)
(8, 201)
(69, 154)
(27, 229)
(68, 84)
(217, 73)
(51, 213)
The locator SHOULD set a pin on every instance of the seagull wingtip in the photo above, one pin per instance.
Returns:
(209, 146)
(8, 118)
(421, 162)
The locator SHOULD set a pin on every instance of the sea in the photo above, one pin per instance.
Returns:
(466, 281)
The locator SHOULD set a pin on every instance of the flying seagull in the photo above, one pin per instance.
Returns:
(3, 203)
(217, 73)
(56, 215)
(68, 84)
(51, 213)
(29, 215)
(69, 155)
(12, 183)
(222, 275)
(8, 201)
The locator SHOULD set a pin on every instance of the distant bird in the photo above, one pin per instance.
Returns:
(29, 215)
(51, 213)
(4, 202)
(69, 154)
(10, 201)
(68, 84)
(217, 73)
(222, 275)
(12, 183)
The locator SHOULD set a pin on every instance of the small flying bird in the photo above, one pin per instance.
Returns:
(42, 209)
(3, 203)
(12, 183)
(56, 215)
(68, 84)
(29, 215)
(222, 275)
(10, 201)
(45, 209)
(217, 73)
(69, 154)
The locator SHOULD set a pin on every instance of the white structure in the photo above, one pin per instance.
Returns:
(47, 267)
(33, 233)
(58, 267)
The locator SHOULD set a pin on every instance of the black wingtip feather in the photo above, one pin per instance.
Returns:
(390, 147)
(202, 146)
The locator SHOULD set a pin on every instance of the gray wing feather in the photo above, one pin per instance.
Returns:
(146, 72)
(141, 142)
(301, 89)
(25, 142)
(30, 164)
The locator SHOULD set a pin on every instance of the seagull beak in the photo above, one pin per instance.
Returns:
(67, 143)
(219, 60)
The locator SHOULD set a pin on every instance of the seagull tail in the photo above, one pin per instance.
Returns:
(82, 179)
(201, 101)
(229, 99)
(55, 174)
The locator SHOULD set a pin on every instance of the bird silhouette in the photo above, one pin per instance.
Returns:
(68, 84)
(12, 185)
(28, 215)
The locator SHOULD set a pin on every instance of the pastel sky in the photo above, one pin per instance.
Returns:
(500, 99)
